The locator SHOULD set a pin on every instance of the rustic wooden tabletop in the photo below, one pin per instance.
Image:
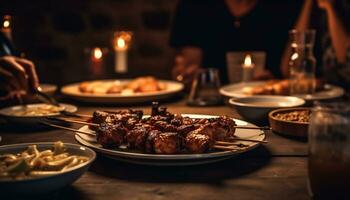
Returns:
(273, 171)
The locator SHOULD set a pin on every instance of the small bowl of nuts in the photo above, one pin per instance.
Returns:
(290, 121)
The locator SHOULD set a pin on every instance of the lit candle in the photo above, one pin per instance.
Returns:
(248, 68)
(6, 24)
(96, 61)
(122, 41)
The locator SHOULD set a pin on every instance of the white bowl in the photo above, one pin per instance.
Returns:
(46, 184)
(256, 108)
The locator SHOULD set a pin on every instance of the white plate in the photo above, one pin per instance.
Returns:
(236, 91)
(5, 113)
(174, 159)
(46, 184)
(172, 88)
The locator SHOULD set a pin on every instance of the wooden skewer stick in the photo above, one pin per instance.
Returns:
(225, 147)
(69, 129)
(230, 143)
(83, 115)
(74, 115)
(248, 140)
(75, 121)
(253, 127)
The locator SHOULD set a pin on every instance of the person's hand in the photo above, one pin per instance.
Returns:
(325, 4)
(17, 77)
(184, 73)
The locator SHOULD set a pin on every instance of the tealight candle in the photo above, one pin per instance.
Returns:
(6, 24)
(248, 68)
(96, 61)
(121, 42)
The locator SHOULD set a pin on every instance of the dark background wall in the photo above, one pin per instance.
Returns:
(54, 35)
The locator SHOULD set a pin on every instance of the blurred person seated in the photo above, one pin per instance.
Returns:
(205, 31)
(18, 77)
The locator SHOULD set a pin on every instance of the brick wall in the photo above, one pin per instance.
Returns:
(54, 35)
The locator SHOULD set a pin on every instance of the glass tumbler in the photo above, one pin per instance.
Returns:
(205, 88)
(329, 151)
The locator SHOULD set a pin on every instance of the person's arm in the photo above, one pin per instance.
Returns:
(186, 38)
(339, 36)
(301, 24)
(187, 61)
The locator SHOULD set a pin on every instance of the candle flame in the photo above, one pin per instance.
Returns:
(248, 60)
(294, 56)
(97, 53)
(6, 24)
(121, 43)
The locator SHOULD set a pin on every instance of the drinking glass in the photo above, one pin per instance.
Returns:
(302, 62)
(329, 151)
(205, 88)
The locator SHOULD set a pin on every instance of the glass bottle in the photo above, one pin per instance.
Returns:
(302, 62)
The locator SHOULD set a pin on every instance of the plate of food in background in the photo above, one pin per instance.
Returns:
(33, 114)
(49, 89)
(142, 89)
(163, 138)
(279, 87)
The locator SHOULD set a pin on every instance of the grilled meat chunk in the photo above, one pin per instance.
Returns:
(197, 143)
(110, 135)
(167, 143)
(149, 144)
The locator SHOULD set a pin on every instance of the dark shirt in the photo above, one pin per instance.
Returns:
(209, 25)
(6, 46)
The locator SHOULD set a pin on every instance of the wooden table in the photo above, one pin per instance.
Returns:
(273, 171)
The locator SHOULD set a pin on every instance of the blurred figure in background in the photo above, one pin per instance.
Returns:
(18, 77)
(203, 32)
(330, 19)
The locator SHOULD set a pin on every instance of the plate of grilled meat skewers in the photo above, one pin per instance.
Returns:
(163, 138)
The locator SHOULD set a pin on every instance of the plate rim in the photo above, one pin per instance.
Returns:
(182, 157)
(223, 91)
(113, 96)
(232, 101)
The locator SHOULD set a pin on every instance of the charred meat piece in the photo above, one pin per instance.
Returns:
(167, 143)
(136, 137)
(179, 120)
(198, 143)
(149, 144)
(124, 116)
(164, 126)
(183, 130)
(99, 117)
(110, 135)
(187, 121)
(161, 111)
(224, 127)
